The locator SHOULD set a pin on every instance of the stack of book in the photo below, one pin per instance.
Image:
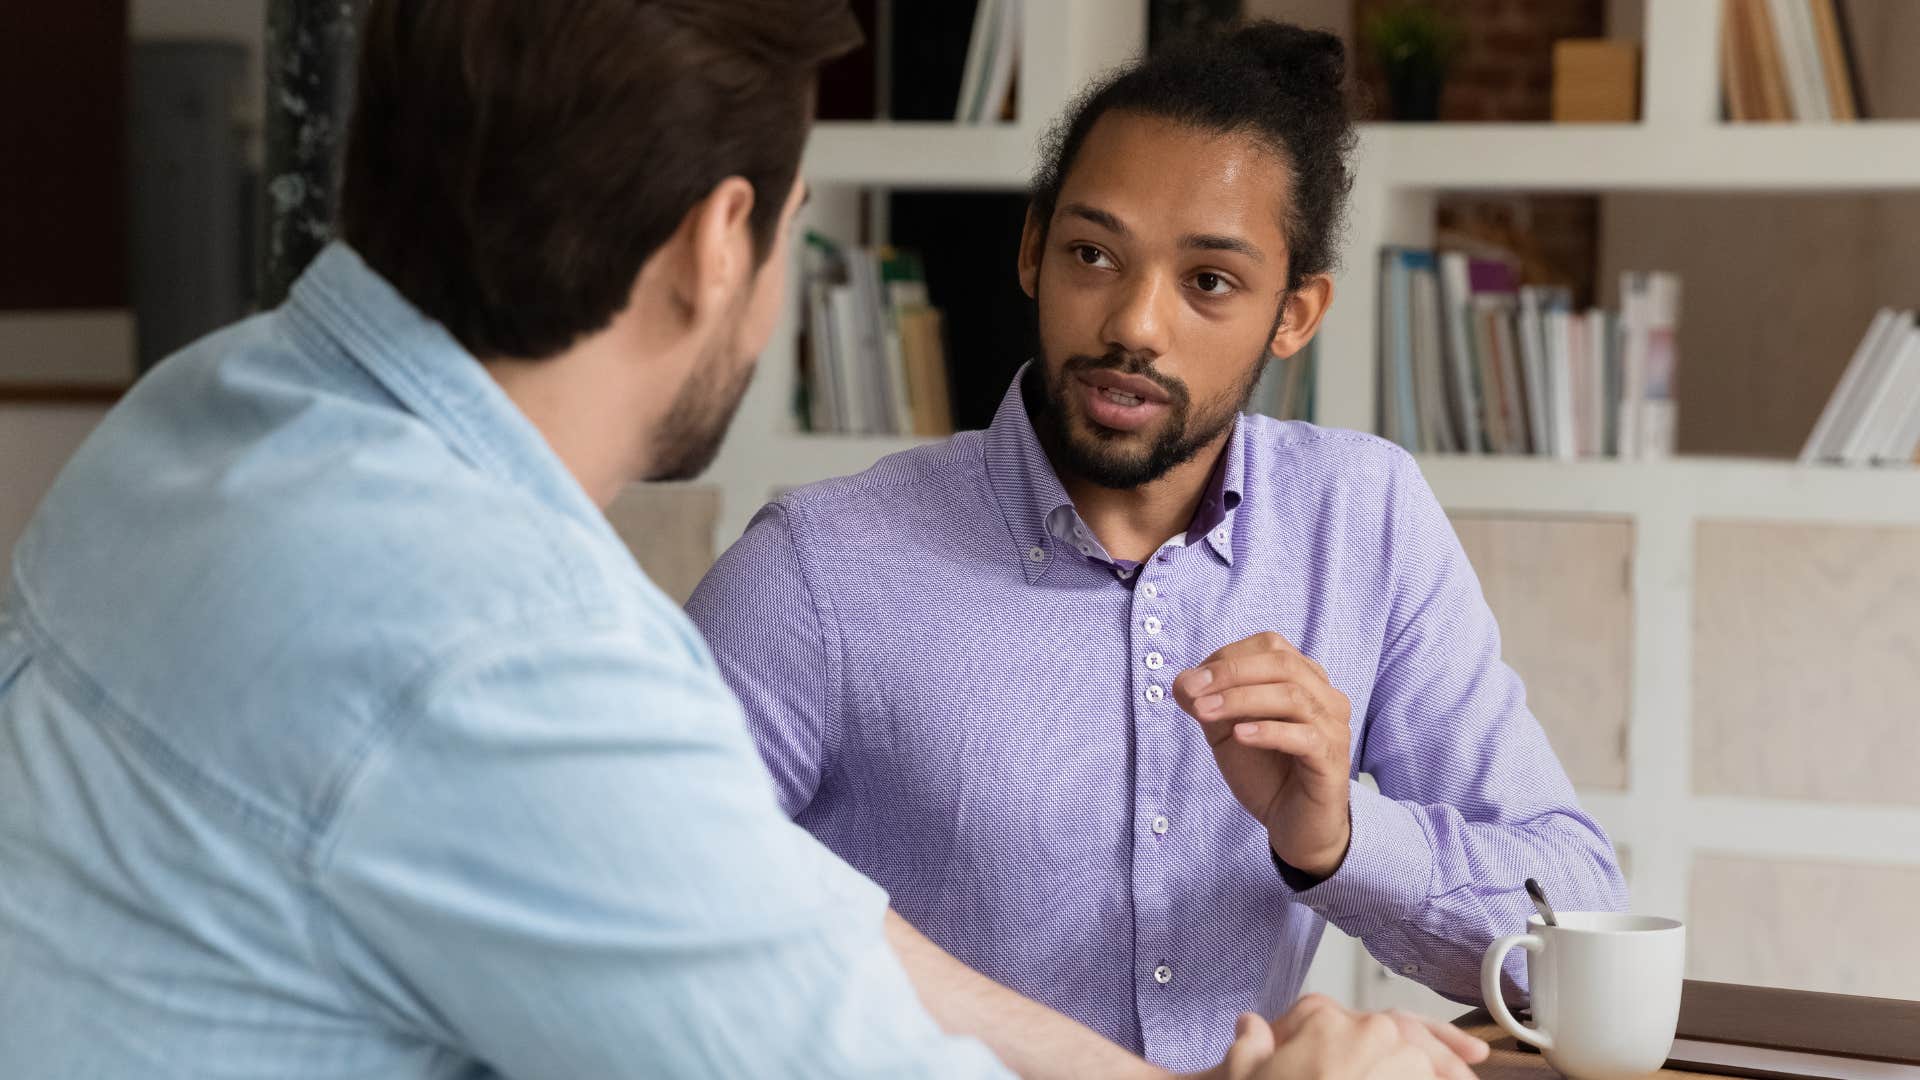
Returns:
(873, 360)
(1873, 416)
(1788, 60)
(1473, 362)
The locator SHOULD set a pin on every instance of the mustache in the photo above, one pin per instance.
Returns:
(1127, 363)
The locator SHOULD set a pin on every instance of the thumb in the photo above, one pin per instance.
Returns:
(1252, 1046)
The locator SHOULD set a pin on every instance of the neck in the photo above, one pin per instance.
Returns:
(576, 400)
(1132, 523)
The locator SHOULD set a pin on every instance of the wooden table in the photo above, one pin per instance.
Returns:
(1509, 1062)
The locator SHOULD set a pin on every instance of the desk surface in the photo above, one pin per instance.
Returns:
(1508, 1062)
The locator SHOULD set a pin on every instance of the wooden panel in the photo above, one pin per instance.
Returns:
(1559, 587)
(670, 528)
(1843, 928)
(1806, 658)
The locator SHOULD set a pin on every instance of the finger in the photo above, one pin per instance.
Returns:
(1252, 1045)
(1218, 673)
(1307, 1007)
(1471, 1050)
(1264, 701)
(1268, 641)
(1407, 1063)
(1446, 1064)
(1294, 740)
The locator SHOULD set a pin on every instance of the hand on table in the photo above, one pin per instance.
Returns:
(1321, 1040)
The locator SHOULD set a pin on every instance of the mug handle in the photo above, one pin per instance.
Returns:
(1490, 988)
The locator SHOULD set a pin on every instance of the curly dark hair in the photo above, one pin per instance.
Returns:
(1281, 83)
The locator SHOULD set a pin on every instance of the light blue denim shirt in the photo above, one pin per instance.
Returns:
(341, 737)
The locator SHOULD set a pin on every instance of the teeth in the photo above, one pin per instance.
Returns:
(1119, 398)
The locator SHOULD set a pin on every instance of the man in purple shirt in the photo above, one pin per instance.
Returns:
(1089, 692)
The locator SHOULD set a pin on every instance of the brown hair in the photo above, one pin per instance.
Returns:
(511, 164)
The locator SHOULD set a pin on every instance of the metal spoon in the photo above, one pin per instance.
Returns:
(1540, 901)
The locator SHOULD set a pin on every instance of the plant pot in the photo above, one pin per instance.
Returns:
(1413, 94)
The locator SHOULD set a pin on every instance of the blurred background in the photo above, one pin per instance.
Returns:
(1634, 279)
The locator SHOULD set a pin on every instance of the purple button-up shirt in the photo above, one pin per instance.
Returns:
(978, 715)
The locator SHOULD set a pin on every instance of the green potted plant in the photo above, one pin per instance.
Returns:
(1415, 45)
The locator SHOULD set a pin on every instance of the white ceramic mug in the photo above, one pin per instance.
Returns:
(1605, 991)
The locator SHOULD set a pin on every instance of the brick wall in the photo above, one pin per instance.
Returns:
(1505, 70)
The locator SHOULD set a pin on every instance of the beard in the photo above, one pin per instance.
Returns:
(696, 424)
(1113, 459)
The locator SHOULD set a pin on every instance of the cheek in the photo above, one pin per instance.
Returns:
(762, 307)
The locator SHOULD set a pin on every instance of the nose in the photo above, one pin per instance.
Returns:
(1137, 322)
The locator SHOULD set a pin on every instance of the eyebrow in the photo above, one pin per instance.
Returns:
(1199, 241)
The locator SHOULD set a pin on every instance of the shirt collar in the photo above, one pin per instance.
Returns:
(433, 376)
(1031, 496)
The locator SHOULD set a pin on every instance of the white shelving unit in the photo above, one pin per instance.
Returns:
(1680, 145)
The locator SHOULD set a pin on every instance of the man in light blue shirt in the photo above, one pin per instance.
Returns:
(341, 737)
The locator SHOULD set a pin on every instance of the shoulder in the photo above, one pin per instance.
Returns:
(925, 479)
(1300, 454)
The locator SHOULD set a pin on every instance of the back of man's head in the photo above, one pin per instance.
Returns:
(512, 163)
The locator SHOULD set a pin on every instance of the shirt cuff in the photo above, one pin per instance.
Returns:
(1385, 874)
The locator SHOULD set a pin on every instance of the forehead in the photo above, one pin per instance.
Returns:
(1165, 178)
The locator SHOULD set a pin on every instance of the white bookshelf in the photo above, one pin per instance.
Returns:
(1680, 145)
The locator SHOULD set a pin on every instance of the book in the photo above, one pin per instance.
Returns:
(1463, 385)
(1856, 85)
(1806, 1034)
(1835, 65)
(1649, 312)
(1531, 336)
(980, 43)
(1829, 430)
(1736, 68)
(1799, 57)
(1886, 407)
(987, 80)
(1557, 332)
(1398, 418)
(1658, 401)
(1859, 415)
(1437, 432)
(1769, 66)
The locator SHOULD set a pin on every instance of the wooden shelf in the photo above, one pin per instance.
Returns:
(995, 156)
(1873, 156)
(1726, 488)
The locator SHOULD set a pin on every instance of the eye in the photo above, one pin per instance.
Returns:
(1092, 256)
(1212, 284)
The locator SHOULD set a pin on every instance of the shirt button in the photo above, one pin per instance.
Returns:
(1036, 554)
(1086, 549)
(1151, 625)
(1409, 968)
(1160, 826)
(1154, 693)
(1163, 974)
(1148, 590)
(1154, 661)
(1122, 574)
(1220, 537)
